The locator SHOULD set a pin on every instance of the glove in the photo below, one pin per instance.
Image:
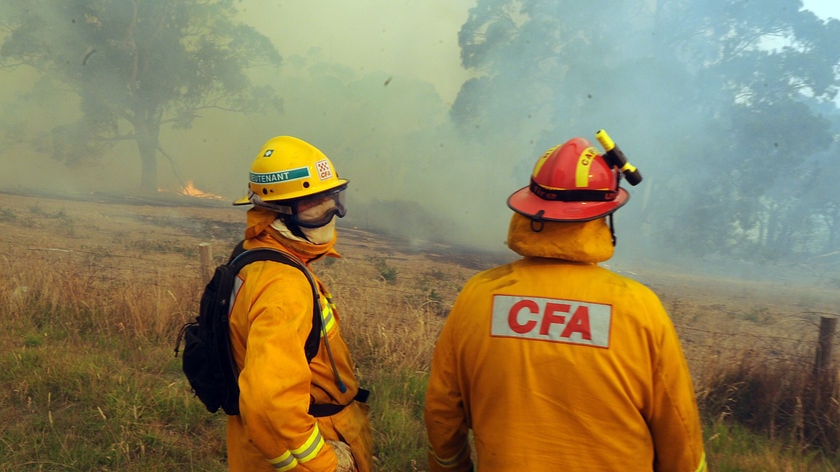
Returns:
(345, 457)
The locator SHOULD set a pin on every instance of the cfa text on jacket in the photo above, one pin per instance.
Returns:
(547, 319)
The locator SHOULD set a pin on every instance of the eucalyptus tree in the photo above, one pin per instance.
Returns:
(714, 94)
(766, 66)
(136, 66)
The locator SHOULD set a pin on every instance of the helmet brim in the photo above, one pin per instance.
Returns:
(526, 203)
(246, 200)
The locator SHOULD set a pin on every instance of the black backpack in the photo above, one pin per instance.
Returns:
(208, 358)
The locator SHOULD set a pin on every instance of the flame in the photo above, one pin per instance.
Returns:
(191, 191)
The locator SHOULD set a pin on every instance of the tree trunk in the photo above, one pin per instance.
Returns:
(148, 169)
(147, 135)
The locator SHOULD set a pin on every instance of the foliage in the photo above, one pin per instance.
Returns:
(75, 405)
(776, 398)
(733, 94)
(387, 272)
(731, 447)
(136, 67)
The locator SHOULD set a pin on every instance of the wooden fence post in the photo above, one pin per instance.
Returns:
(828, 324)
(205, 252)
(820, 408)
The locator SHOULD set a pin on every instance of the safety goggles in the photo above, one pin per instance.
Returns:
(319, 209)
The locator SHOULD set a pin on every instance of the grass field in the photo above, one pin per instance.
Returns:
(95, 290)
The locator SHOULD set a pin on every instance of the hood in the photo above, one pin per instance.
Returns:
(578, 241)
(259, 233)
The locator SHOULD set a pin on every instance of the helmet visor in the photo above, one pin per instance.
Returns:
(319, 209)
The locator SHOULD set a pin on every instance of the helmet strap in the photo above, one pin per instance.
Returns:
(537, 223)
(612, 228)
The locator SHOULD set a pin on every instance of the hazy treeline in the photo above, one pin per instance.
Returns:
(727, 107)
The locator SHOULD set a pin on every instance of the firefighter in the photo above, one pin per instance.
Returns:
(553, 362)
(294, 415)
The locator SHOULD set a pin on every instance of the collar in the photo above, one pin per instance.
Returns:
(584, 241)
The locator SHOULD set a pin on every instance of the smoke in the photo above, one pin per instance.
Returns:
(372, 84)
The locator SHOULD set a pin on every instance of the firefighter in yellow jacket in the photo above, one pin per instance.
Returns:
(294, 415)
(553, 362)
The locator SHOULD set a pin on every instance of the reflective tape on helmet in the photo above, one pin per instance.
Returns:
(584, 163)
(275, 177)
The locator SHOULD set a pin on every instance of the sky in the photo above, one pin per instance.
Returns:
(823, 8)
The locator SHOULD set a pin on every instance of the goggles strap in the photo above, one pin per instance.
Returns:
(257, 201)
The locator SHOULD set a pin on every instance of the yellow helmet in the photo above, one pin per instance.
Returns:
(288, 168)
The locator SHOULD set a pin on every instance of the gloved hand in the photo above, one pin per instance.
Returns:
(345, 457)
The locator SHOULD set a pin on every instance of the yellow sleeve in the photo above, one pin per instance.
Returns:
(674, 418)
(447, 422)
(275, 378)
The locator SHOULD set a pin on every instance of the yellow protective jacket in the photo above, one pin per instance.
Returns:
(270, 319)
(558, 364)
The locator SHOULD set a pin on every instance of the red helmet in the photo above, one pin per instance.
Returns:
(571, 182)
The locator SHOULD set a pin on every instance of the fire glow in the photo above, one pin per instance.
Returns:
(190, 190)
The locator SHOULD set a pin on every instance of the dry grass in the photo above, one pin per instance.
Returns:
(93, 294)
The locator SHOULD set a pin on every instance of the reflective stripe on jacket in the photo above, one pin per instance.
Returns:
(271, 318)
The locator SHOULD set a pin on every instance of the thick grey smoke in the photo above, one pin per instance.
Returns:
(372, 84)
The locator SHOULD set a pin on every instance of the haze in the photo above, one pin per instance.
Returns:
(378, 85)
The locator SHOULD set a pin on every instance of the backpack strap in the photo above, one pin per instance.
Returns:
(241, 257)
